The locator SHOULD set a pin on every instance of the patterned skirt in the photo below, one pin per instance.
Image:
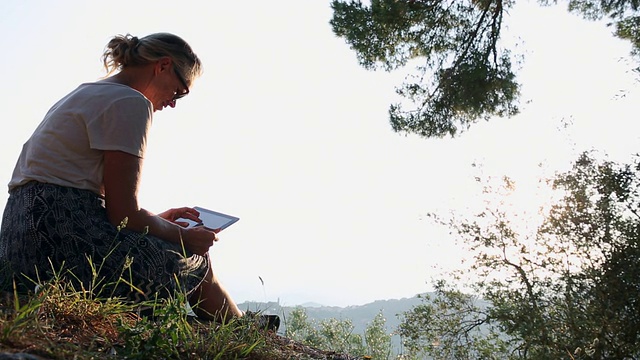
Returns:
(52, 231)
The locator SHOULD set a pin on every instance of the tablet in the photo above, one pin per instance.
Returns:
(212, 220)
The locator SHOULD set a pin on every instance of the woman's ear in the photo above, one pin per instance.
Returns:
(163, 64)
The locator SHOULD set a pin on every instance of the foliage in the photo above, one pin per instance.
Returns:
(337, 335)
(332, 334)
(377, 340)
(145, 339)
(568, 290)
(464, 73)
(451, 325)
(301, 329)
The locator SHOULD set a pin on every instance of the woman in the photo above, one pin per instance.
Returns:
(77, 180)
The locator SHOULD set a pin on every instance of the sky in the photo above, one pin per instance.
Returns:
(287, 132)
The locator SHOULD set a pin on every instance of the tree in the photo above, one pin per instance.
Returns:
(300, 328)
(377, 339)
(330, 334)
(337, 335)
(570, 289)
(463, 72)
(451, 325)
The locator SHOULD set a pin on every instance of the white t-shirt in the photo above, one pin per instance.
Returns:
(67, 147)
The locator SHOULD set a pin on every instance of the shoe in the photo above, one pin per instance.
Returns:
(267, 322)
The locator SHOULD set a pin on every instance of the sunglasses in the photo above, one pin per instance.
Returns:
(180, 95)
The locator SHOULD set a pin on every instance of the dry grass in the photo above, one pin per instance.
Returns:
(61, 324)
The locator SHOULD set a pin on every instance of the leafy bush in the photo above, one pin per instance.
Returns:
(569, 289)
(337, 335)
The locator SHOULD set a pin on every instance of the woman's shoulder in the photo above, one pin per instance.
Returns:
(109, 88)
(102, 94)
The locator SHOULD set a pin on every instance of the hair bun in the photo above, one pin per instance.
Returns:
(134, 42)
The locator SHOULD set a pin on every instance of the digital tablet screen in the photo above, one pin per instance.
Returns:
(212, 220)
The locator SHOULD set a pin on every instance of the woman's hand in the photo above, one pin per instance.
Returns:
(198, 239)
(181, 213)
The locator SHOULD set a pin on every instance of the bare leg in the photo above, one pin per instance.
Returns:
(211, 300)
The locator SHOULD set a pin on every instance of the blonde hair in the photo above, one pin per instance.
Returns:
(128, 50)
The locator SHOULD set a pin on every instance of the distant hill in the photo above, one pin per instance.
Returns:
(311, 305)
(360, 315)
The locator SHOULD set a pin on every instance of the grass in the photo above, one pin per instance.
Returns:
(57, 323)
(61, 323)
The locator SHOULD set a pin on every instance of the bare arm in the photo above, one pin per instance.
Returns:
(121, 180)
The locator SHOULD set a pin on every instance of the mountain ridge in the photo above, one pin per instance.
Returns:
(360, 315)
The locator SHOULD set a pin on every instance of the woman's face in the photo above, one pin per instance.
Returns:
(170, 86)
